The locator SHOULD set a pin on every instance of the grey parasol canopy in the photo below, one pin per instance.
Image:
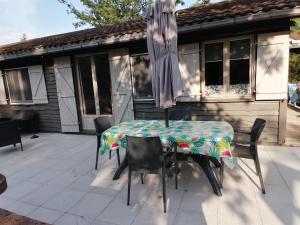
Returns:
(162, 48)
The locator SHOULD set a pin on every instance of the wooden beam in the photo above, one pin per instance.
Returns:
(282, 121)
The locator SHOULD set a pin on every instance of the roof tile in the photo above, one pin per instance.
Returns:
(185, 17)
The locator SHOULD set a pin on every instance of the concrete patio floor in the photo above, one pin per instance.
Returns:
(53, 180)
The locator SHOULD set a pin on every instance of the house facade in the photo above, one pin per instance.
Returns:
(233, 55)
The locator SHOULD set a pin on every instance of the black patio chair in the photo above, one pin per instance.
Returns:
(10, 133)
(249, 151)
(101, 125)
(146, 155)
(180, 114)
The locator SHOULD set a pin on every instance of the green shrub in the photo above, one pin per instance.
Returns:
(294, 74)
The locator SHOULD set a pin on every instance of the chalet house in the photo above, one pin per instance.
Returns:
(233, 55)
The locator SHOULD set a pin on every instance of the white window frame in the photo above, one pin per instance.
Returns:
(226, 71)
(23, 102)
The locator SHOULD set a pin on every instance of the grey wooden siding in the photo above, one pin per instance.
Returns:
(240, 115)
(49, 119)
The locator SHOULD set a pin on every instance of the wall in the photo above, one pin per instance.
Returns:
(240, 115)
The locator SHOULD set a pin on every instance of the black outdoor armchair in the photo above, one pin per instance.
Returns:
(101, 125)
(10, 133)
(146, 155)
(249, 151)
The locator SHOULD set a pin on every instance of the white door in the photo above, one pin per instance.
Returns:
(121, 85)
(94, 85)
(66, 96)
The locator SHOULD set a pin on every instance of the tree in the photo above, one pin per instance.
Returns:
(295, 25)
(23, 37)
(106, 12)
(294, 75)
(201, 2)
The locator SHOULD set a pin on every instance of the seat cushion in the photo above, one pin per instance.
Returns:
(241, 151)
(9, 218)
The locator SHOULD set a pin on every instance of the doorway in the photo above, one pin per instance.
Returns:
(94, 84)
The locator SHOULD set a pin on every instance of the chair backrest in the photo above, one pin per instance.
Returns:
(256, 130)
(9, 130)
(180, 114)
(144, 153)
(102, 124)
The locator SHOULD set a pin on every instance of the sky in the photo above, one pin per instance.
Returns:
(37, 18)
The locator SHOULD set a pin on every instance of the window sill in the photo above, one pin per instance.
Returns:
(247, 98)
(144, 100)
(22, 103)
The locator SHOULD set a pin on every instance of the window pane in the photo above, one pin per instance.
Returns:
(214, 69)
(142, 76)
(214, 52)
(239, 66)
(14, 86)
(84, 66)
(104, 83)
(26, 84)
(240, 49)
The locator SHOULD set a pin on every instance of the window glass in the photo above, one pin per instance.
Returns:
(26, 84)
(142, 76)
(214, 69)
(19, 86)
(239, 66)
(104, 83)
(85, 71)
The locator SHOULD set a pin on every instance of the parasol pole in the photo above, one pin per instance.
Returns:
(167, 117)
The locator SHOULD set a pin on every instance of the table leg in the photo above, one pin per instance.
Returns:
(121, 168)
(215, 161)
(203, 161)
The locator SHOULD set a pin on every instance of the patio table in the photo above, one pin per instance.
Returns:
(3, 184)
(202, 139)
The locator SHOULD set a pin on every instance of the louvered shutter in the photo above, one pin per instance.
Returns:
(189, 64)
(3, 99)
(121, 85)
(66, 95)
(272, 66)
(38, 84)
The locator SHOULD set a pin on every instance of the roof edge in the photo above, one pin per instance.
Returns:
(257, 17)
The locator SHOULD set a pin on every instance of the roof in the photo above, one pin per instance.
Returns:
(186, 17)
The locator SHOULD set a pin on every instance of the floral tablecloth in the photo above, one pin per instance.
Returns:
(211, 138)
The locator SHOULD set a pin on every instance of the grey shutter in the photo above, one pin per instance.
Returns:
(3, 99)
(38, 85)
(66, 96)
(272, 66)
(189, 64)
(121, 85)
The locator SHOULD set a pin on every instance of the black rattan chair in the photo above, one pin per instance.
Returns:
(101, 125)
(180, 114)
(10, 133)
(146, 155)
(249, 151)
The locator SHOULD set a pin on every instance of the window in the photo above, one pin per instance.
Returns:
(239, 66)
(142, 76)
(85, 70)
(104, 83)
(95, 84)
(227, 68)
(19, 86)
(214, 69)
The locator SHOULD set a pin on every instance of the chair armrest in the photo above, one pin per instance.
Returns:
(242, 132)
